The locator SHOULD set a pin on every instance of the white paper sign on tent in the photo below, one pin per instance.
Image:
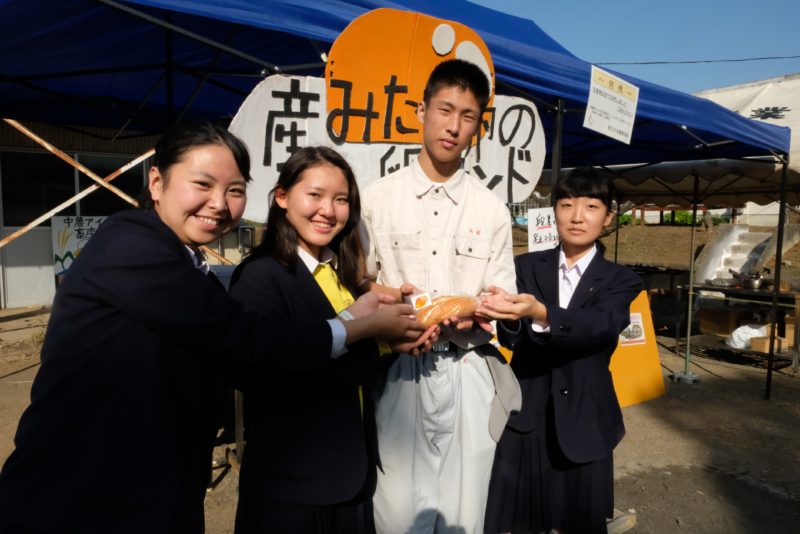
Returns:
(611, 109)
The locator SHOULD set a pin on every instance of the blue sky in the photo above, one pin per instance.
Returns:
(672, 30)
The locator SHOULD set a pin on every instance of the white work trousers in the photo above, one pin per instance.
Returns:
(433, 436)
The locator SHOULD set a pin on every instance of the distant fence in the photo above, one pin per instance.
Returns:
(519, 210)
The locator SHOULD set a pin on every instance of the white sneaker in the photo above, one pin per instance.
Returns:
(622, 522)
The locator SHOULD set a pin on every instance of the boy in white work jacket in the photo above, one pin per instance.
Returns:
(436, 227)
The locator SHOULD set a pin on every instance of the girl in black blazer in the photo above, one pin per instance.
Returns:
(118, 436)
(310, 459)
(553, 467)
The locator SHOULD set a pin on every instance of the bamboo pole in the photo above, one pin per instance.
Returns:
(101, 182)
(67, 203)
(61, 155)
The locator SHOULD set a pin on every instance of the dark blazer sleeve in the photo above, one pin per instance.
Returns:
(311, 436)
(595, 323)
(265, 287)
(140, 268)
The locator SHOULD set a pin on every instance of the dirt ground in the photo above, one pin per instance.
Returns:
(709, 457)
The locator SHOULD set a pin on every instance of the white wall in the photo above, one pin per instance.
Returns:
(756, 215)
(28, 277)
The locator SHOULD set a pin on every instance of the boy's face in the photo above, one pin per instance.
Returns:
(580, 221)
(449, 120)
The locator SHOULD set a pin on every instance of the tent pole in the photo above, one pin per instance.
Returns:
(555, 165)
(191, 35)
(616, 231)
(687, 376)
(169, 68)
(777, 279)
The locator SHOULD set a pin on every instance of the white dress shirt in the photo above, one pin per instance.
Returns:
(567, 281)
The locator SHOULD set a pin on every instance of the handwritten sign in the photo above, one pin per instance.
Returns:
(542, 232)
(611, 109)
(369, 115)
(70, 234)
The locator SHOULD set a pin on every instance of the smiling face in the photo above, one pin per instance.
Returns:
(317, 206)
(580, 222)
(449, 120)
(203, 196)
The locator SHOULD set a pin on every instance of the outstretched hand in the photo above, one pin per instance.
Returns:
(424, 343)
(501, 305)
(466, 323)
(369, 303)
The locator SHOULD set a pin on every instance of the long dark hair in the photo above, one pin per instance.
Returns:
(181, 138)
(280, 237)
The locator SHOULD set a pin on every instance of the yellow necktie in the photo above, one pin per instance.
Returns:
(339, 297)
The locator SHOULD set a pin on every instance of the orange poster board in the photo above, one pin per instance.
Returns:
(380, 63)
(635, 365)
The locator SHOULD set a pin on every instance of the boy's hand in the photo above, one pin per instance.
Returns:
(424, 343)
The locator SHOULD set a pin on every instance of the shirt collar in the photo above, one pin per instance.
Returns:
(579, 266)
(198, 259)
(311, 263)
(423, 184)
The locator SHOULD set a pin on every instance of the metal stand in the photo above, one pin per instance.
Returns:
(688, 377)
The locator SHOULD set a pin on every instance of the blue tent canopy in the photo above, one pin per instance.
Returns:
(91, 63)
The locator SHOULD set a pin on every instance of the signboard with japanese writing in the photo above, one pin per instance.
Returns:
(70, 234)
(611, 109)
(542, 233)
(369, 114)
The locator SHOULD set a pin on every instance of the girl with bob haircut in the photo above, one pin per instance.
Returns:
(137, 339)
(311, 455)
(553, 468)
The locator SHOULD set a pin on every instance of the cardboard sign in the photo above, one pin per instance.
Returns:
(369, 114)
(635, 365)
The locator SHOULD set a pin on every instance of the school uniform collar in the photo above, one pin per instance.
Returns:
(311, 263)
(424, 185)
(198, 259)
(581, 265)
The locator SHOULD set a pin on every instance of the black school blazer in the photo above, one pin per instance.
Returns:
(118, 436)
(575, 353)
(306, 439)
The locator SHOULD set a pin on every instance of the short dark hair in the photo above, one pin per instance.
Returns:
(280, 237)
(462, 74)
(181, 138)
(585, 182)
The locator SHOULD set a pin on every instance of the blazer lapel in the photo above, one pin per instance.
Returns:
(308, 289)
(591, 282)
(547, 275)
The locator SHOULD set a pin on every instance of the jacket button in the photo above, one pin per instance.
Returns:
(564, 391)
(565, 327)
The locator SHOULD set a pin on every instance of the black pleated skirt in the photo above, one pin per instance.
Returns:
(535, 488)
